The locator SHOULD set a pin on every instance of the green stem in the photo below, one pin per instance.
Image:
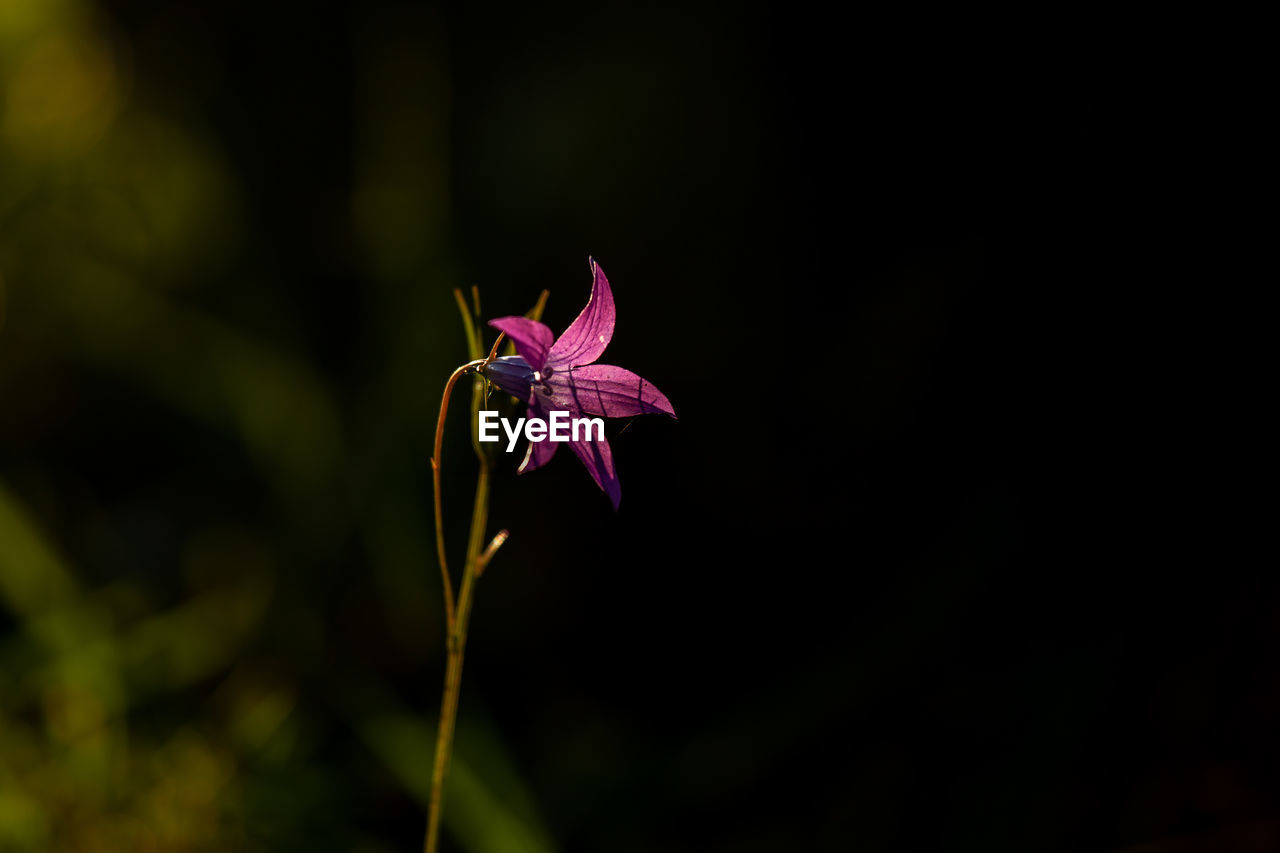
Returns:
(435, 487)
(457, 617)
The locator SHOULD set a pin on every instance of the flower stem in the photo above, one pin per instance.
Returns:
(457, 644)
(435, 485)
(458, 616)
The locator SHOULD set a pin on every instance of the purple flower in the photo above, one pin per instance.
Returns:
(560, 374)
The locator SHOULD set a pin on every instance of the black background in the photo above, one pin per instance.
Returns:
(932, 558)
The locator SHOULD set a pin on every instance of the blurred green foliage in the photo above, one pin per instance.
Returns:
(144, 703)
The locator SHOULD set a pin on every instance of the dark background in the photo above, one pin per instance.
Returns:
(931, 560)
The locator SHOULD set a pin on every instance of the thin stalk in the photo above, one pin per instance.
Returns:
(435, 485)
(459, 617)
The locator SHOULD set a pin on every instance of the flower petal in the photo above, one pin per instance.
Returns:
(595, 455)
(586, 338)
(598, 457)
(537, 454)
(532, 339)
(613, 392)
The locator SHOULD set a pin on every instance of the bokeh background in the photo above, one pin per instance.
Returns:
(916, 569)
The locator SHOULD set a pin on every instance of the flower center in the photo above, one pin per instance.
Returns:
(542, 375)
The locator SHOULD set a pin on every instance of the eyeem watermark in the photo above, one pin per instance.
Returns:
(559, 428)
